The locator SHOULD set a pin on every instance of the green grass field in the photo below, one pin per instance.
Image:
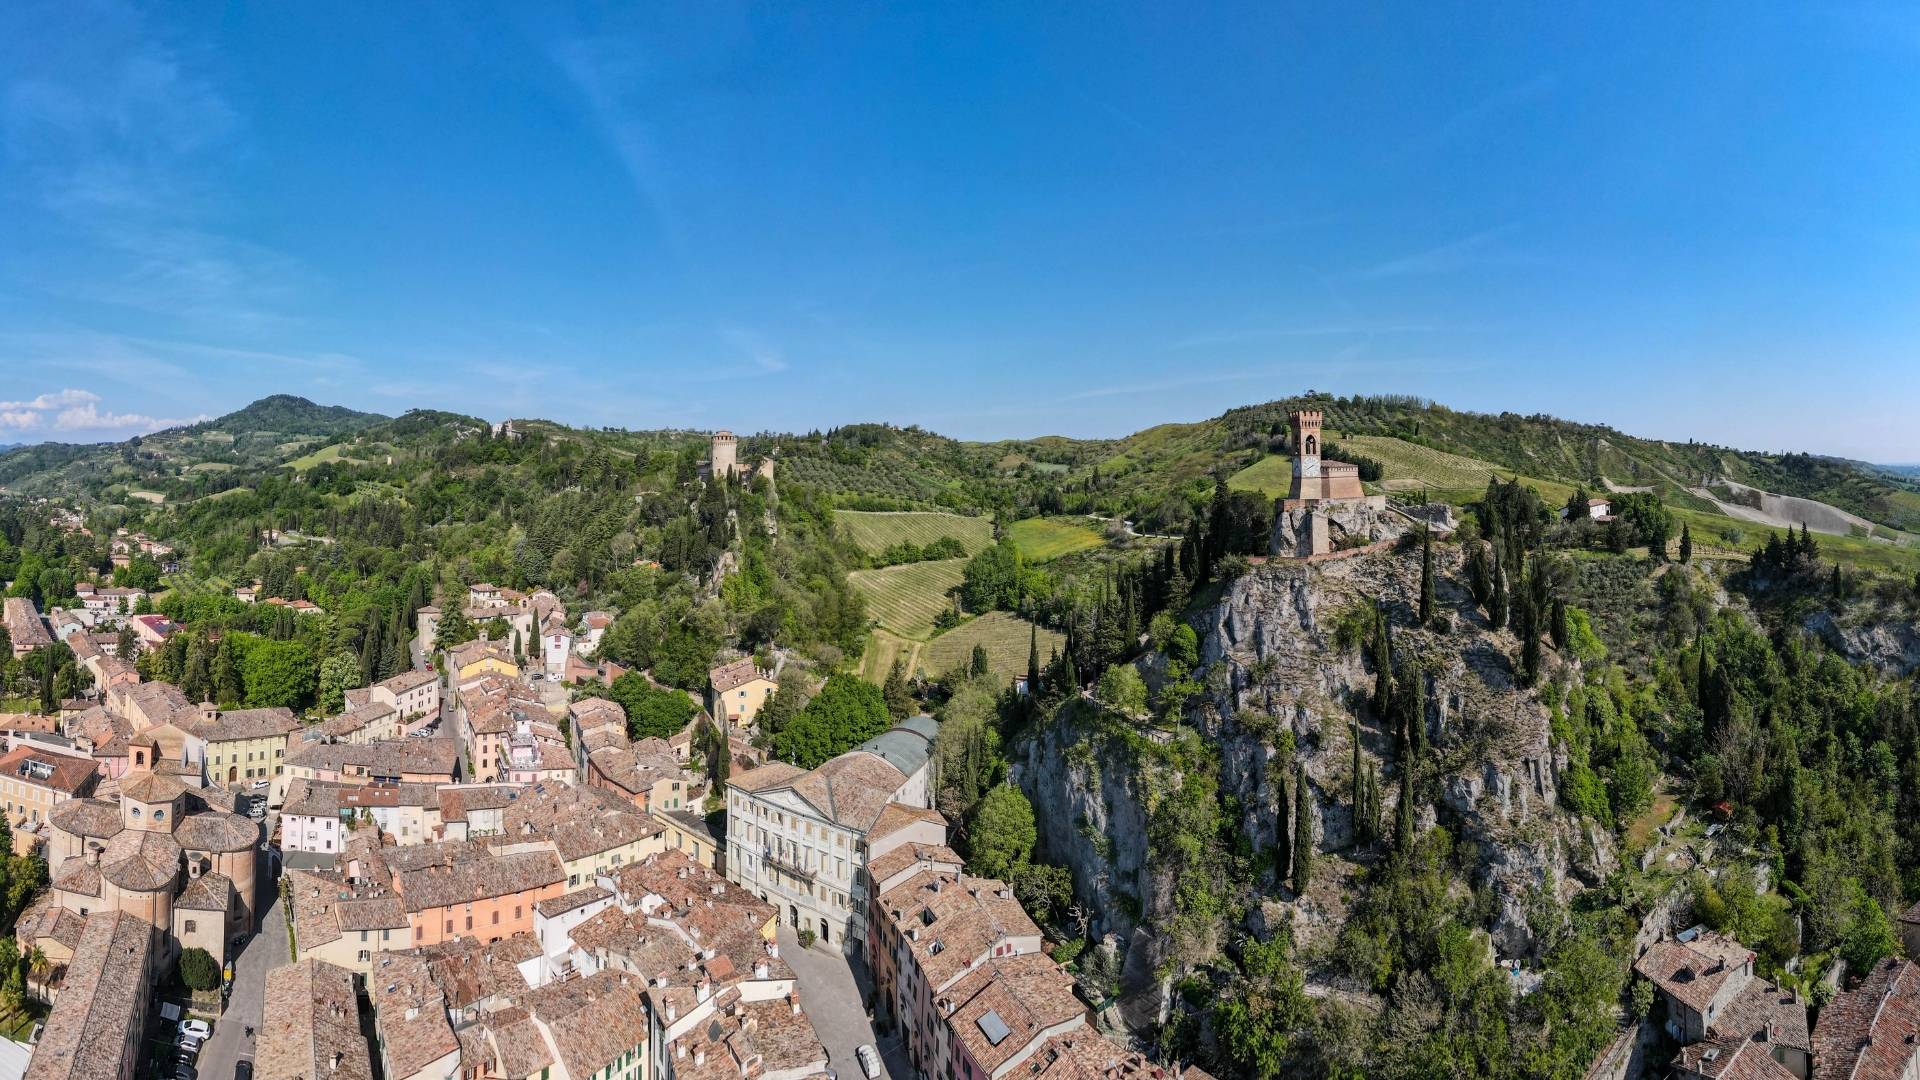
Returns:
(150, 496)
(334, 452)
(905, 599)
(1041, 539)
(1410, 466)
(211, 467)
(1005, 637)
(875, 531)
(882, 650)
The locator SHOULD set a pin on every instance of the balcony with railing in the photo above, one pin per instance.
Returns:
(786, 864)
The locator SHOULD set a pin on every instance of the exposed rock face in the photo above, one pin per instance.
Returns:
(1273, 634)
(1890, 645)
(1269, 658)
(1345, 523)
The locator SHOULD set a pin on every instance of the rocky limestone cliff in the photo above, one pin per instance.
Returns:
(1270, 660)
(1870, 637)
(1273, 634)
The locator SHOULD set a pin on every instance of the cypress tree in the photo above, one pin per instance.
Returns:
(1033, 660)
(1479, 577)
(1413, 699)
(1426, 576)
(369, 653)
(1302, 832)
(1382, 663)
(1282, 827)
(899, 701)
(1557, 623)
(1686, 543)
(1404, 824)
(1529, 646)
(1497, 606)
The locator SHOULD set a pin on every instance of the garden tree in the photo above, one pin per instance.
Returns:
(339, 672)
(1122, 690)
(1686, 543)
(998, 578)
(847, 712)
(979, 664)
(652, 712)
(127, 643)
(1302, 831)
(13, 983)
(454, 627)
(198, 969)
(1557, 629)
(1263, 1009)
(39, 968)
(789, 695)
(278, 673)
(1045, 891)
(718, 755)
(1869, 936)
(684, 656)
(395, 654)
(966, 748)
(1426, 576)
(1001, 836)
(899, 698)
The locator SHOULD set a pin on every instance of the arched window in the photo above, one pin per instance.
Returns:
(1313, 445)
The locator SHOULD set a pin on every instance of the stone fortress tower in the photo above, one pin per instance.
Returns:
(723, 455)
(1325, 501)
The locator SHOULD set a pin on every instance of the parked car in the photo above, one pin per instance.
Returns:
(199, 1029)
(261, 785)
(187, 1049)
(184, 1071)
(243, 1070)
(869, 1060)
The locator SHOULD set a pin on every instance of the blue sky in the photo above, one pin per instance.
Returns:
(991, 220)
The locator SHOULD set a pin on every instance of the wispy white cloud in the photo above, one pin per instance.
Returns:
(1469, 252)
(756, 348)
(1485, 112)
(609, 74)
(59, 399)
(88, 417)
(77, 410)
(118, 137)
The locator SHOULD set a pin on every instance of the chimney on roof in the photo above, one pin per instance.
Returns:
(679, 1049)
(793, 1001)
(333, 1064)
(700, 1055)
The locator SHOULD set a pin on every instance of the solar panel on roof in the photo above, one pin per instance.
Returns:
(994, 1028)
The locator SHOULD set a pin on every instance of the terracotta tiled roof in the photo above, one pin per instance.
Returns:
(105, 995)
(62, 773)
(456, 873)
(897, 816)
(247, 724)
(211, 891)
(735, 675)
(1871, 1032)
(1001, 1008)
(410, 1014)
(1694, 972)
(310, 1025)
(578, 898)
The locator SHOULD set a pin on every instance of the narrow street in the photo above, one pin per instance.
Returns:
(267, 950)
(835, 1000)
